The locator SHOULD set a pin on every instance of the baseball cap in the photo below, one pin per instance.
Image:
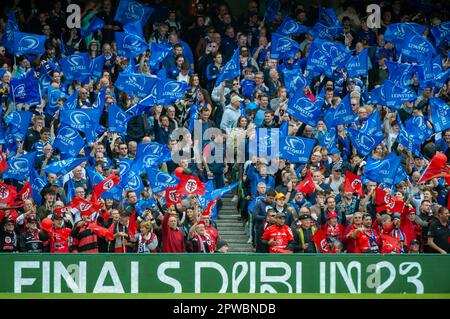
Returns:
(31, 219)
(331, 215)
(269, 208)
(280, 214)
(396, 215)
(280, 195)
(105, 166)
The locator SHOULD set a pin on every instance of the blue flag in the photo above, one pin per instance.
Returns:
(294, 81)
(396, 32)
(328, 17)
(193, 116)
(99, 102)
(304, 110)
(130, 11)
(132, 181)
(159, 181)
(26, 89)
(283, 47)
(400, 74)
(71, 102)
(93, 176)
(377, 96)
(135, 28)
(130, 45)
(124, 166)
(325, 55)
(418, 125)
(143, 204)
(69, 141)
(117, 120)
(64, 166)
(11, 27)
(168, 91)
(342, 114)
(231, 70)
(440, 114)
(396, 95)
(151, 154)
(135, 84)
(384, 170)
(18, 123)
(441, 33)
(96, 67)
(329, 141)
(273, 7)
(369, 136)
(76, 67)
(324, 32)
(70, 194)
(292, 27)
(81, 119)
(408, 138)
(53, 95)
(297, 149)
(415, 48)
(37, 184)
(94, 25)
(20, 167)
(359, 64)
(28, 43)
(158, 52)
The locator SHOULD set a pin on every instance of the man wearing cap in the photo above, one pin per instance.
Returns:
(58, 235)
(84, 240)
(414, 247)
(334, 230)
(200, 239)
(29, 241)
(303, 232)
(122, 235)
(8, 236)
(367, 239)
(279, 237)
(231, 113)
(281, 207)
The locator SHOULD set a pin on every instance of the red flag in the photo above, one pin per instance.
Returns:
(208, 210)
(3, 164)
(7, 193)
(105, 185)
(133, 225)
(63, 210)
(436, 169)
(25, 192)
(320, 239)
(389, 244)
(101, 231)
(172, 196)
(385, 201)
(85, 207)
(190, 185)
(306, 186)
(353, 184)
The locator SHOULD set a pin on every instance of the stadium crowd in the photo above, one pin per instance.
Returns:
(91, 125)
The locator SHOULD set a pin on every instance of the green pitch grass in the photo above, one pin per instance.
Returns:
(221, 296)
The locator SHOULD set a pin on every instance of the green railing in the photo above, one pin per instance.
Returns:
(224, 273)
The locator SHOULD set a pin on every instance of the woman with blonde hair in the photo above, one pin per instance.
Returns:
(146, 240)
(356, 223)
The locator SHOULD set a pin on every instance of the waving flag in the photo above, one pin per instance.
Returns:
(353, 184)
(94, 25)
(130, 11)
(437, 168)
(159, 181)
(441, 78)
(135, 84)
(320, 240)
(3, 163)
(158, 52)
(117, 120)
(359, 64)
(168, 91)
(71, 193)
(304, 110)
(96, 66)
(377, 96)
(294, 81)
(297, 149)
(93, 176)
(18, 123)
(190, 184)
(231, 70)
(321, 31)
(76, 67)
(107, 184)
(25, 192)
(69, 141)
(441, 33)
(325, 55)
(136, 28)
(25, 89)
(130, 45)
(306, 186)
(273, 7)
(11, 27)
(396, 95)
(415, 48)
(19, 167)
(53, 95)
(37, 184)
(413, 133)
(283, 47)
(84, 206)
(328, 17)
(292, 27)
(80, 119)
(440, 114)
(28, 43)
(132, 181)
(384, 200)
(342, 114)
(143, 204)
(396, 32)
(329, 141)
(71, 102)
(7, 193)
(384, 170)
(400, 73)
(63, 167)
(151, 154)
(369, 136)
(172, 197)
(419, 124)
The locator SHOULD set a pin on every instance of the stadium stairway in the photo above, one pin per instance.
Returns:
(230, 228)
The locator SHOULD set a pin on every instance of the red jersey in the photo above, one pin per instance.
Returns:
(334, 232)
(367, 241)
(59, 240)
(213, 235)
(349, 241)
(282, 235)
(173, 239)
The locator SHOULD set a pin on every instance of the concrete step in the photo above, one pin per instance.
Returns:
(234, 238)
(223, 232)
(231, 227)
(229, 217)
(241, 250)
